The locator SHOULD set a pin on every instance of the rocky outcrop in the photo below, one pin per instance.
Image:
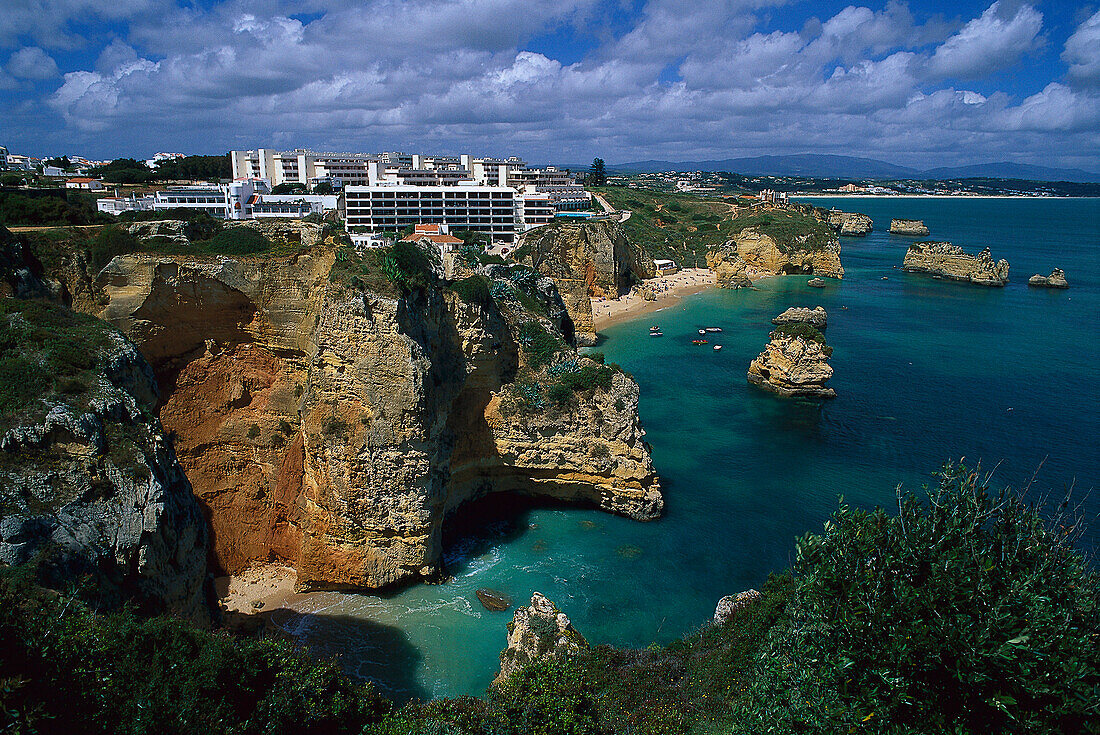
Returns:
(913, 227)
(334, 429)
(944, 260)
(795, 363)
(285, 232)
(87, 476)
(1056, 279)
(816, 317)
(21, 274)
(731, 605)
(585, 260)
(816, 283)
(537, 632)
(850, 224)
(753, 255)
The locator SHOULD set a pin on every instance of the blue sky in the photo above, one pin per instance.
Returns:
(922, 83)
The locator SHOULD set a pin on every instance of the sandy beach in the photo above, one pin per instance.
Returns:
(260, 588)
(669, 289)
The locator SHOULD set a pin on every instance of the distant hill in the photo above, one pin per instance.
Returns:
(1012, 171)
(850, 167)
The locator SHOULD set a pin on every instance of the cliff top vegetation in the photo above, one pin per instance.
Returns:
(966, 611)
(683, 227)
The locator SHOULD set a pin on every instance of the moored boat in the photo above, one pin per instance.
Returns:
(698, 341)
(713, 329)
(717, 347)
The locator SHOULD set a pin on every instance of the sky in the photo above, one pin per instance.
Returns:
(922, 83)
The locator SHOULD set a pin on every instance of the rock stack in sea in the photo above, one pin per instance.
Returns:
(1056, 279)
(816, 317)
(537, 632)
(908, 227)
(851, 224)
(794, 363)
(944, 260)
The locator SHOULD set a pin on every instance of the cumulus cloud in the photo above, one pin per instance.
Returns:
(32, 63)
(1082, 53)
(995, 40)
(714, 79)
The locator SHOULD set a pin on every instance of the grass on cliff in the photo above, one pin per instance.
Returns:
(683, 227)
(393, 271)
(45, 349)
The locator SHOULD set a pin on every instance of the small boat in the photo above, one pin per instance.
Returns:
(656, 334)
(698, 341)
(713, 329)
(717, 347)
(655, 328)
(702, 331)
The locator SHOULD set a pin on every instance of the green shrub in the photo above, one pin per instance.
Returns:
(21, 381)
(109, 242)
(546, 698)
(253, 431)
(963, 614)
(802, 330)
(539, 345)
(67, 668)
(236, 241)
(473, 290)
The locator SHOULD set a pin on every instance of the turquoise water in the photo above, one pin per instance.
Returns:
(924, 370)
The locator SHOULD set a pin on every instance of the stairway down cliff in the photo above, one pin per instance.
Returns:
(333, 424)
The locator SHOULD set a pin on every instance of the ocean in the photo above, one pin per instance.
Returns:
(926, 371)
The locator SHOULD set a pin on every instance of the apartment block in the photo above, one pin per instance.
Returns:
(392, 207)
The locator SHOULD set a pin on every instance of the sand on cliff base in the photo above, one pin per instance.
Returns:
(271, 585)
(668, 289)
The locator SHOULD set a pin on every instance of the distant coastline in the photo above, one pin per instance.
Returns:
(927, 196)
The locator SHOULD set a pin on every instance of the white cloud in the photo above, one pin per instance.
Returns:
(995, 40)
(32, 63)
(1082, 53)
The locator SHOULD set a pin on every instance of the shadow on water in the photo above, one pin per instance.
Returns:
(492, 520)
(366, 650)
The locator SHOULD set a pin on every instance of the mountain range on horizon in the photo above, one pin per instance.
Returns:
(851, 167)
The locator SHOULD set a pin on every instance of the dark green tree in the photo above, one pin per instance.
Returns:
(289, 188)
(597, 173)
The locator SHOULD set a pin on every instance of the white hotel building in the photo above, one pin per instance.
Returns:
(390, 191)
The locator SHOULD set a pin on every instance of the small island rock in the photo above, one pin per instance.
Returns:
(537, 632)
(817, 316)
(908, 227)
(493, 601)
(850, 224)
(730, 605)
(1056, 279)
(816, 283)
(944, 260)
(795, 363)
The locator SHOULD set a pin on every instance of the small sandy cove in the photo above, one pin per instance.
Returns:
(669, 289)
(260, 588)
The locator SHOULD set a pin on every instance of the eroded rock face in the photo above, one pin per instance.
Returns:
(944, 260)
(334, 430)
(913, 227)
(537, 632)
(590, 259)
(85, 469)
(1056, 279)
(850, 224)
(794, 363)
(753, 255)
(730, 605)
(817, 316)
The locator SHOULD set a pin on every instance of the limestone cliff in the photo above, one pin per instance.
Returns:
(537, 632)
(87, 476)
(944, 260)
(1056, 279)
(794, 363)
(850, 224)
(753, 255)
(586, 259)
(333, 426)
(914, 227)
